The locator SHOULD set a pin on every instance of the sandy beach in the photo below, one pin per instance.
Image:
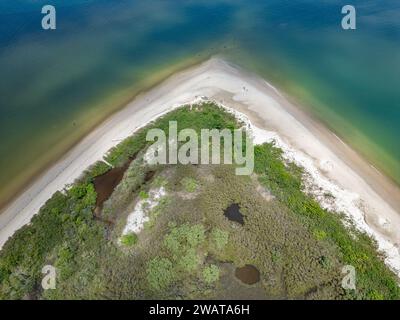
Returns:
(368, 198)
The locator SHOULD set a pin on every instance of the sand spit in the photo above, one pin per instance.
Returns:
(368, 198)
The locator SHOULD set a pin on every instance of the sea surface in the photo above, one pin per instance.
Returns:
(55, 85)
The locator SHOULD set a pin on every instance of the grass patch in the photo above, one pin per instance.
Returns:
(143, 195)
(189, 184)
(211, 274)
(129, 239)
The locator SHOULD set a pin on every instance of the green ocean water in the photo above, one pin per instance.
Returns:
(56, 85)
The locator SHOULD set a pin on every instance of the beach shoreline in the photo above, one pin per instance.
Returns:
(89, 120)
(266, 108)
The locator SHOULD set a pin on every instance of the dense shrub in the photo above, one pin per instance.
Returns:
(160, 273)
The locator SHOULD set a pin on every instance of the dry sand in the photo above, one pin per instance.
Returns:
(370, 199)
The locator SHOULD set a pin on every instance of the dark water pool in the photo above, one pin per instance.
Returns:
(106, 183)
(248, 274)
(233, 213)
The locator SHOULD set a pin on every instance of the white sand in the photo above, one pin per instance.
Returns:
(330, 163)
(139, 216)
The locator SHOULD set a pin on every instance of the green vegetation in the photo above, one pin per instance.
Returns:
(206, 116)
(319, 234)
(129, 239)
(219, 239)
(188, 249)
(374, 279)
(62, 232)
(211, 274)
(159, 182)
(95, 170)
(143, 195)
(160, 273)
(189, 184)
(185, 249)
(184, 238)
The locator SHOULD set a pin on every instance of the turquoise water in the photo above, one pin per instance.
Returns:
(54, 85)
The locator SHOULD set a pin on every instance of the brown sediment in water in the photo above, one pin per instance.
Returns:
(248, 274)
(106, 183)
